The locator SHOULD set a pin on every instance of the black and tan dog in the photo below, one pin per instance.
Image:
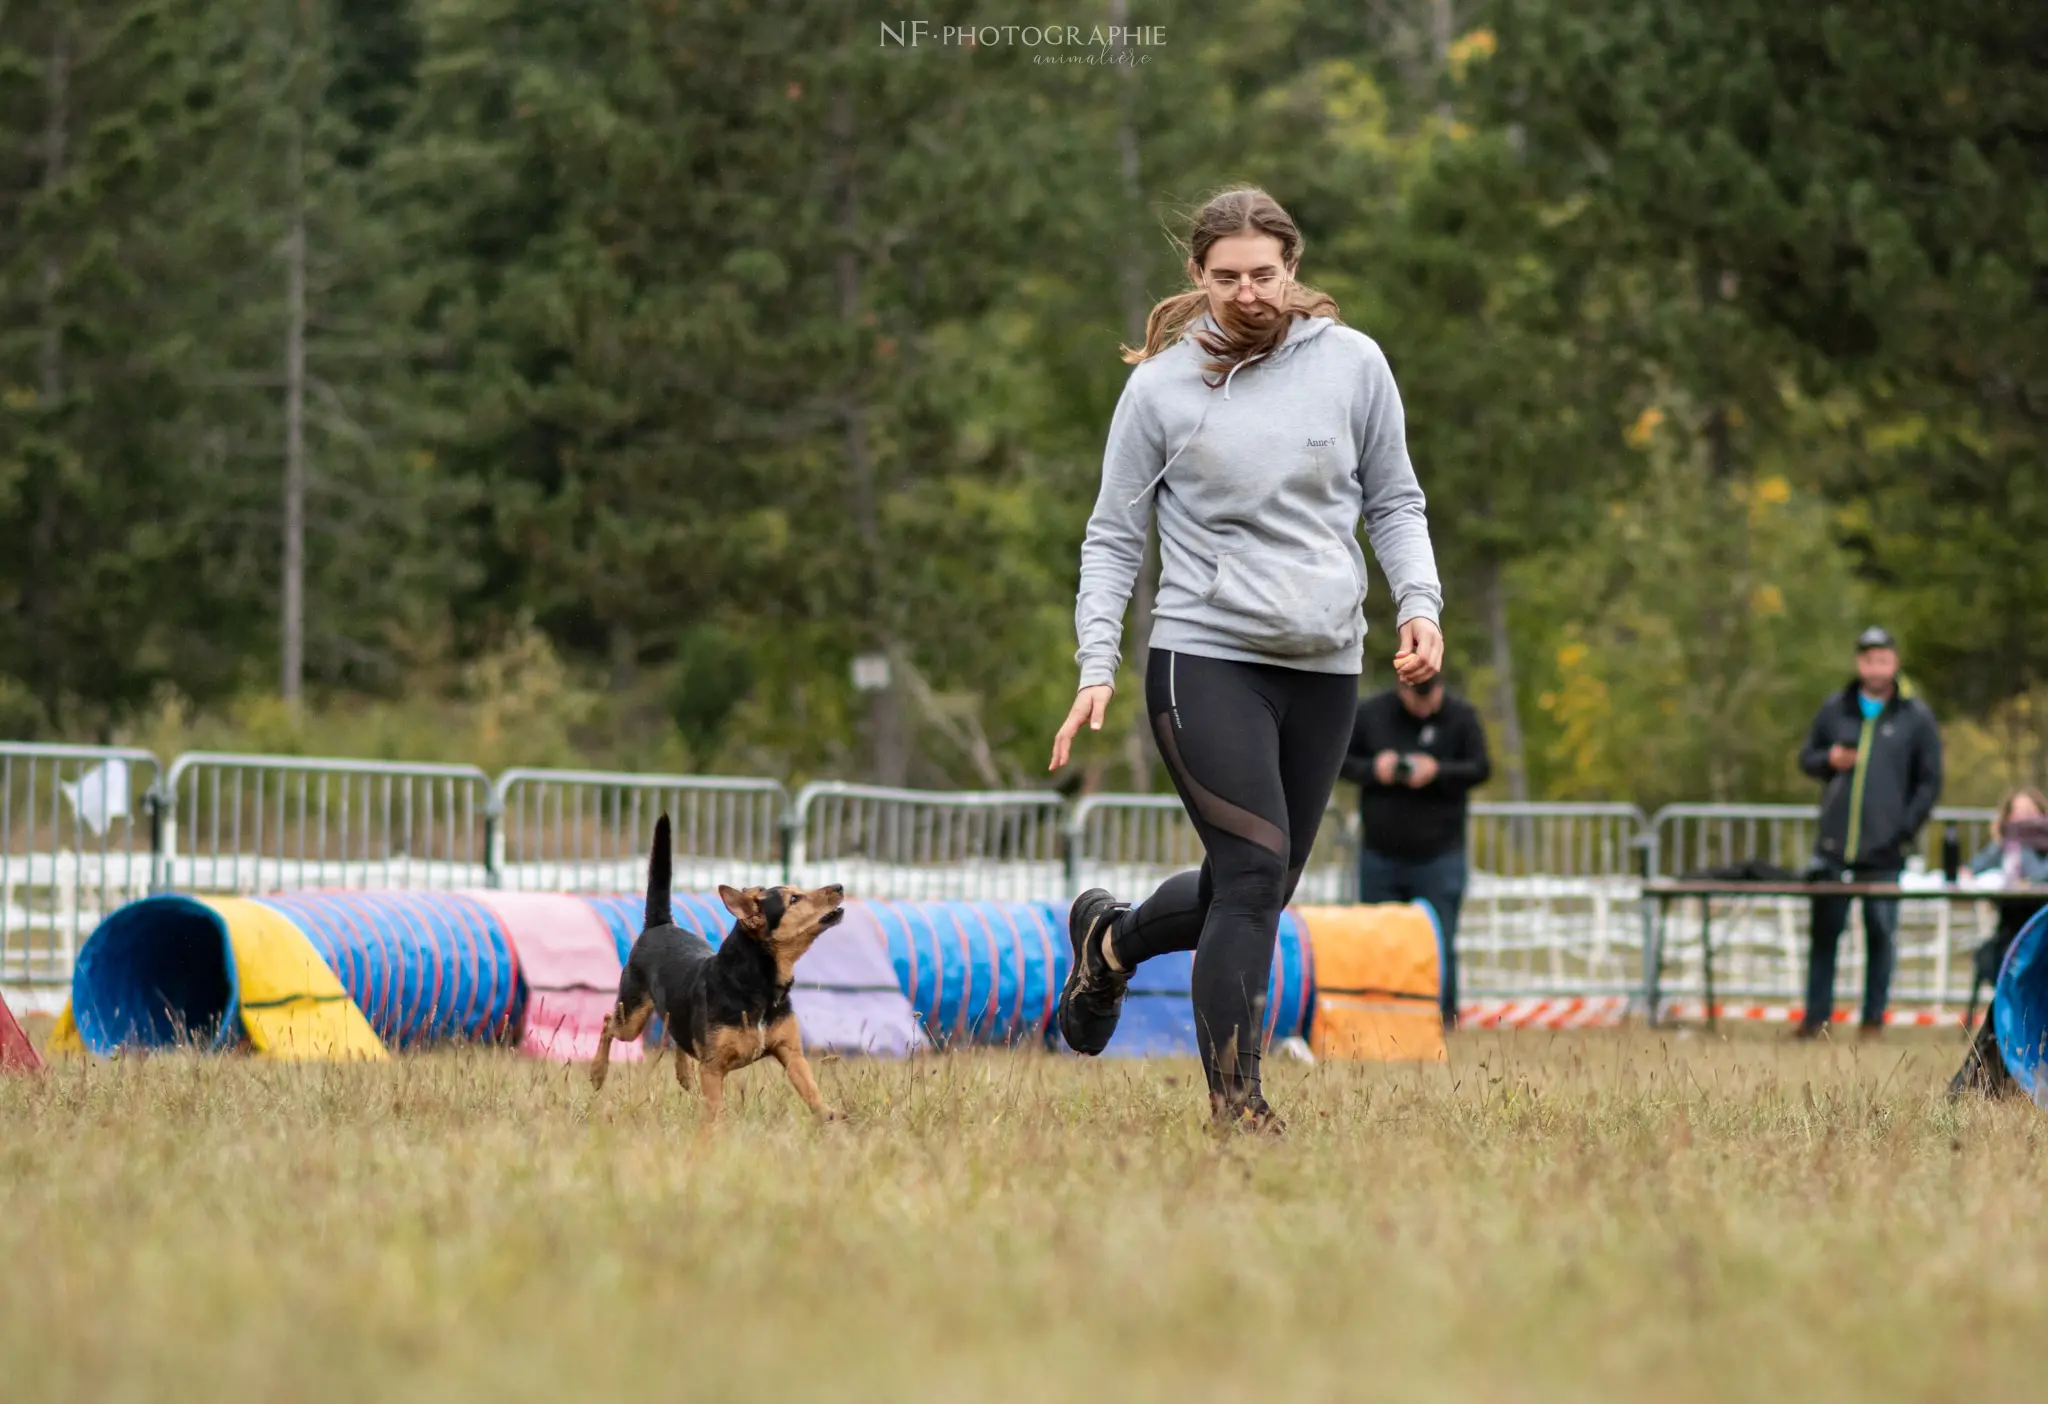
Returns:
(728, 1007)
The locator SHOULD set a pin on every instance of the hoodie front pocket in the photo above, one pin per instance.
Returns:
(1288, 605)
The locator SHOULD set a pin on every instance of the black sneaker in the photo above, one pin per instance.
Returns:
(1093, 997)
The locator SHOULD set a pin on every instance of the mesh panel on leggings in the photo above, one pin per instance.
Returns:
(1231, 818)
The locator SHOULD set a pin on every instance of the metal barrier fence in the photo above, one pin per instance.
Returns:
(70, 850)
(1555, 840)
(589, 831)
(919, 845)
(1760, 944)
(1695, 837)
(234, 823)
(1553, 906)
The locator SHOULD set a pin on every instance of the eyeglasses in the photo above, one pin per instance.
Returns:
(1264, 284)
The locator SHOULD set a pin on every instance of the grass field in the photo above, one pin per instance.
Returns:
(1552, 1217)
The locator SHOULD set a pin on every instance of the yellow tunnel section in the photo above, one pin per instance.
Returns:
(292, 1003)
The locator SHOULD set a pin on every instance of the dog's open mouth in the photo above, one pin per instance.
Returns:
(833, 917)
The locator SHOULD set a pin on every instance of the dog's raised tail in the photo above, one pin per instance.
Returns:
(658, 913)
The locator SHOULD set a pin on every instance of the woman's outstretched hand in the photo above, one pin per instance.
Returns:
(1089, 705)
(1422, 652)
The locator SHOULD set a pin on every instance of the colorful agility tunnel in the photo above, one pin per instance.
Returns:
(976, 972)
(2019, 1009)
(339, 974)
(988, 973)
(308, 975)
(991, 972)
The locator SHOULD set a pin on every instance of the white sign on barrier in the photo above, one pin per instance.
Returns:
(99, 796)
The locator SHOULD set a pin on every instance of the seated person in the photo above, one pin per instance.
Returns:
(2019, 850)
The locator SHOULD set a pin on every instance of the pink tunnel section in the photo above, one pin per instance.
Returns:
(571, 967)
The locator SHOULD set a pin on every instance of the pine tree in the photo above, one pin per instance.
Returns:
(1834, 205)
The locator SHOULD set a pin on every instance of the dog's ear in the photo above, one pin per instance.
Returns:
(744, 905)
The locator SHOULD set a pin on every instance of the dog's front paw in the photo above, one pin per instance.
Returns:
(830, 1114)
(597, 1072)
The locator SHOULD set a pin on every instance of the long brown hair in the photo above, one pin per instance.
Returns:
(2025, 792)
(1246, 210)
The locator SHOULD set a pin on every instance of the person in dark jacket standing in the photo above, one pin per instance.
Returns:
(1416, 753)
(1877, 751)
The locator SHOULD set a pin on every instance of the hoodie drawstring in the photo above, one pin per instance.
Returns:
(1235, 369)
(1160, 476)
(1200, 420)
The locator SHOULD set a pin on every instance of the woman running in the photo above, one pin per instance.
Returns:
(1258, 481)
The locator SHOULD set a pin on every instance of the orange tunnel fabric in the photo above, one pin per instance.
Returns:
(1377, 982)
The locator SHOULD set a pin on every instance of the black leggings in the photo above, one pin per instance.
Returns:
(1253, 749)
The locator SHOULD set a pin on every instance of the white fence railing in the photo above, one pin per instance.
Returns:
(589, 831)
(1760, 952)
(922, 844)
(1696, 837)
(1553, 907)
(235, 823)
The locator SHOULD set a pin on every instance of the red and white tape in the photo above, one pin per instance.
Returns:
(1590, 1012)
(1608, 1011)
(1793, 1013)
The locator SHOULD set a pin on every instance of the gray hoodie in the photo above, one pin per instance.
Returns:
(1258, 486)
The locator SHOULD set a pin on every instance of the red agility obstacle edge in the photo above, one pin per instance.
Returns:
(17, 1054)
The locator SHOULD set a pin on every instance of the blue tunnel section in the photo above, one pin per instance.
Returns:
(422, 966)
(2019, 1009)
(1158, 1016)
(624, 914)
(991, 972)
(159, 973)
(977, 972)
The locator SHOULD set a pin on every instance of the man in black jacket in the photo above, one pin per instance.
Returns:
(1877, 751)
(1415, 754)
